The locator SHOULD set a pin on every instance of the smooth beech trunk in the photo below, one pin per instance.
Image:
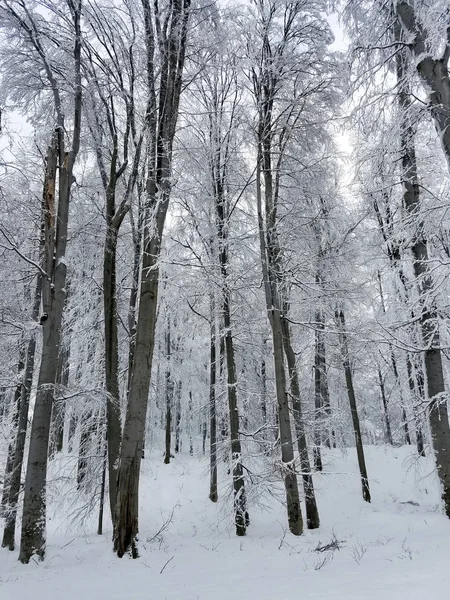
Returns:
(437, 408)
(163, 115)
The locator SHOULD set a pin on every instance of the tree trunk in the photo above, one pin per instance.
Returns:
(213, 496)
(433, 72)
(169, 396)
(340, 320)
(270, 267)
(178, 417)
(438, 413)
(385, 409)
(58, 410)
(113, 426)
(312, 513)
(319, 364)
(14, 488)
(241, 518)
(102, 489)
(33, 536)
(85, 448)
(414, 392)
(15, 420)
(163, 118)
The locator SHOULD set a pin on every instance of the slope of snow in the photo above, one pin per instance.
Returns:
(397, 548)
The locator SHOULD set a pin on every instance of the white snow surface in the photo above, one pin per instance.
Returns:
(396, 548)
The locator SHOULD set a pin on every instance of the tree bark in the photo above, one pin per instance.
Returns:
(387, 422)
(340, 321)
(432, 72)
(33, 534)
(169, 396)
(162, 124)
(437, 410)
(22, 425)
(213, 495)
(312, 513)
(14, 424)
(269, 259)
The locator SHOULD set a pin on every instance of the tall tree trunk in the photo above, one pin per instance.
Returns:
(178, 417)
(162, 124)
(270, 259)
(319, 364)
(102, 489)
(438, 413)
(241, 518)
(22, 425)
(33, 536)
(213, 496)
(169, 396)
(312, 513)
(113, 426)
(340, 321)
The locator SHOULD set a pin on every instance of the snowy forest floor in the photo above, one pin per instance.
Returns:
(396, 548)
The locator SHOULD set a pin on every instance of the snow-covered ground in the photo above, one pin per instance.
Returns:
(397, 548)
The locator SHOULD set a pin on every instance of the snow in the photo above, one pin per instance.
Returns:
(397, 548)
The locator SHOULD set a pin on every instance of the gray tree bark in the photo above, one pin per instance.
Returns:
(270, 267)
(433, 72)
(437, 409)
(340, 321)
(15, 420)
(169, 395)
(312, 513)
(213, 495)
(33, 534)
(163, 116)
(22, 425)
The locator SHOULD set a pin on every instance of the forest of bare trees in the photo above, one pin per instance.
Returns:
(224, 233)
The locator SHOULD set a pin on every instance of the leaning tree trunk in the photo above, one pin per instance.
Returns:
(438, 413)
(340, 321)
(312, 513)
(22, 425)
